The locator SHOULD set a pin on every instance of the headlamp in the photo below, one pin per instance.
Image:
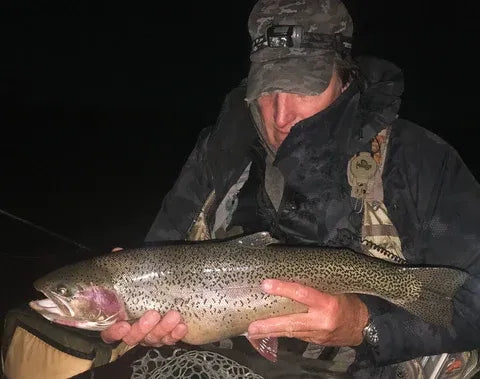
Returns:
(278, 36)
(284, 36)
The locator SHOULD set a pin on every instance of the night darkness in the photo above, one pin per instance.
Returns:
(101, 102)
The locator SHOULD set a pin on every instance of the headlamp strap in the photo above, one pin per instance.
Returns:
(278, 36)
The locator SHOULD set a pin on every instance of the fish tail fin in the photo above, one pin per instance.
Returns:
(432, 296)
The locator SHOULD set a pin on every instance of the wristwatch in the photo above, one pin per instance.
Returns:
(370, 333)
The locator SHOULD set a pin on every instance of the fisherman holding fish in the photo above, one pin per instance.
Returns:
(310, 149)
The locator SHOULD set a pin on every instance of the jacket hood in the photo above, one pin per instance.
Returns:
(366, 107)
(381, 86)
(346, 127)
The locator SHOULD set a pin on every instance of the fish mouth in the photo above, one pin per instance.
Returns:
(53, 305)
(47, 307)
(57, 309)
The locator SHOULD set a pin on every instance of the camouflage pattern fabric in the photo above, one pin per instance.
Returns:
(296, 70)
(426, 186)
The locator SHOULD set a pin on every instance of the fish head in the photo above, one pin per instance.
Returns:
(79, 296)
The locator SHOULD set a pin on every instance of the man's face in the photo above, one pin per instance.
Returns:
(281, 111)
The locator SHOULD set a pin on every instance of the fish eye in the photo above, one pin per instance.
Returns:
(63, 290)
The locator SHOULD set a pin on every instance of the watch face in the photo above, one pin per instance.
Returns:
(370, 334)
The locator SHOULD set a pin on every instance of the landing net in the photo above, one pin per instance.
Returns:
(192, 364)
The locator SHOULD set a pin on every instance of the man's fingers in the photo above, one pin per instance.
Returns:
(303, 294)
(179, 332)
(150, 329)
(285, 326)
(141, 328)
(164, 327)
(116, 332)
(169, 339)
(176, 335)
(115, 249)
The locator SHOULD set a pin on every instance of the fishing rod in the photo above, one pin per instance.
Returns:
(45, 230)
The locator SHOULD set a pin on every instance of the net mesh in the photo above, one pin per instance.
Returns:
(194, 364)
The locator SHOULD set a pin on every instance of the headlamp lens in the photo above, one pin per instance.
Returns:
(283, 36)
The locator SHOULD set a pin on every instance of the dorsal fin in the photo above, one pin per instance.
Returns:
(255, 241)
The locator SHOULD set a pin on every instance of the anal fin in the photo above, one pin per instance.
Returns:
(267, 347)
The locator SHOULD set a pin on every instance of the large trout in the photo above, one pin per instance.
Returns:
(215, 285)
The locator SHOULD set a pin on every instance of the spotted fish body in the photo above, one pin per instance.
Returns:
(216, 285)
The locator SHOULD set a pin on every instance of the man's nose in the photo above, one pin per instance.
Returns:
(285, 113)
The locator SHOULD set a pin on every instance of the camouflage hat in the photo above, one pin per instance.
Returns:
(324, 28)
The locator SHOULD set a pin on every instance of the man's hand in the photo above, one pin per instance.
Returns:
(331, 320)
(149, 330)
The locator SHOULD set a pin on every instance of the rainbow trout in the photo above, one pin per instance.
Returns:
(215, 285)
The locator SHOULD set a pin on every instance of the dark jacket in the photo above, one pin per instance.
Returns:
(432, 198)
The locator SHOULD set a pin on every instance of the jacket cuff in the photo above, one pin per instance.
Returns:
(379, 312)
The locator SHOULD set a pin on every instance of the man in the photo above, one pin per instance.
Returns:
(284, 156)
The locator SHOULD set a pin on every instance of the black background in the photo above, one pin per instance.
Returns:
(101, 103)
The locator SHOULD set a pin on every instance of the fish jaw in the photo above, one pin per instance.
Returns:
(48, 309)
(94, 308)
(52, 312)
